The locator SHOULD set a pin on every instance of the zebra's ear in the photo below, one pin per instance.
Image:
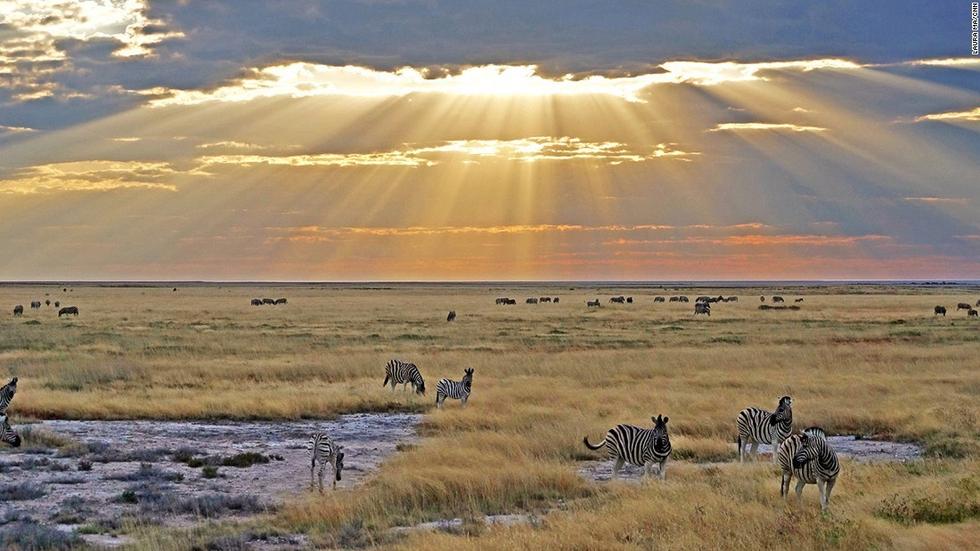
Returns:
(666, 419)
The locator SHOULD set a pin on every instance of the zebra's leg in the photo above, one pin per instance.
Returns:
(784, 484)
(312, 470)
(830, 487)
(323, 467)
(663, 469)
(799, 490)
(754, 453)
(439, 400)
(775, 448)
(463, 400)
(616, 466)
(334, 477)
(822, 487)
(646, 469)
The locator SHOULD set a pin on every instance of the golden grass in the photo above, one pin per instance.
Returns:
(545, 376)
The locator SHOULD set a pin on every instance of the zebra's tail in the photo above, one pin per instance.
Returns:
(585, 440)
(387, 377)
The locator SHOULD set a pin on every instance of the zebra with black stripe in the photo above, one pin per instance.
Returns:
(637, 446)
(810, 458)
(457, 390)
(7, 394)
(7, 434)
(758, 426)
(403, 373)
(323, 450)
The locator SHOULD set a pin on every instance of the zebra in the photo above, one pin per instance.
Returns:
(812, 460)
(637, 446)
(404, 373)
(19, 310)
(593, 303)
(658, 299)
(7, 434)
(778, 298)
(556, 300)
(455, 390)
(939, 310)
(756, 426)
(7, 395)
(702, 308)
(451, 316)
(324, 450)
(972, 313)
(960, 306)
(36, 304)
(280, 301)
(256, 302)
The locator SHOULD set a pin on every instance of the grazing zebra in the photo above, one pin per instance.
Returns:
(556, 300)
(281, 301)
(971, 313)
(637, 446)
(702, 308)
(7, 434)
(798, 300)
(683, 299)
(19, 310)
(756, 426)
(778, 299)
(455, 390)
(544, 299)
(7, 394)
(531, 301)
(68, 310)
(325, 451)
(593, 303)
(404, 373)
(732, 299)
(451, 316)
(658, 299)
(256, 302)
(810, 458)
(963, 306)
(35, 304)
(268, 301)
(939, 310)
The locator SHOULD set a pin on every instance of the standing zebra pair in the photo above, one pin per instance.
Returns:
(807, 455)
(405, 373)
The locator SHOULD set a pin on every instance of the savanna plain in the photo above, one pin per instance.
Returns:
(872, 361)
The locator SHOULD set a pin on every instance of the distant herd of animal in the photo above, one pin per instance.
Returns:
(36, 305)
(971, 312)
(702, 304)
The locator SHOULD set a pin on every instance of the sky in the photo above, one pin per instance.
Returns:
(460, 140)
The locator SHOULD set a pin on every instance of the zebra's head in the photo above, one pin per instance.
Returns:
(661, 440)
(420, 386)
(784, 411)
(808, 450)
(338, 464)
(468, 376)
(7, 434)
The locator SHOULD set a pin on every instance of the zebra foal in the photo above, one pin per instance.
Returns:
(324, 451)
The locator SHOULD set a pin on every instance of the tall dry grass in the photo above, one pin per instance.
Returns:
(546, 375)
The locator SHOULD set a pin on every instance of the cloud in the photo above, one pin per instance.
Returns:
(40, 37)
(943, 62)
(90, 176)
(7, 130)
(972, 115)
(231, 144)
(752, 126)
(939, 200)
(302, 79)
(538, 148)
(320, 233)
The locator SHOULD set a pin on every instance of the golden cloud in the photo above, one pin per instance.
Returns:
(538, 148)
(751, 126)
(90, 176)
(301, 79)
(972, 115)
